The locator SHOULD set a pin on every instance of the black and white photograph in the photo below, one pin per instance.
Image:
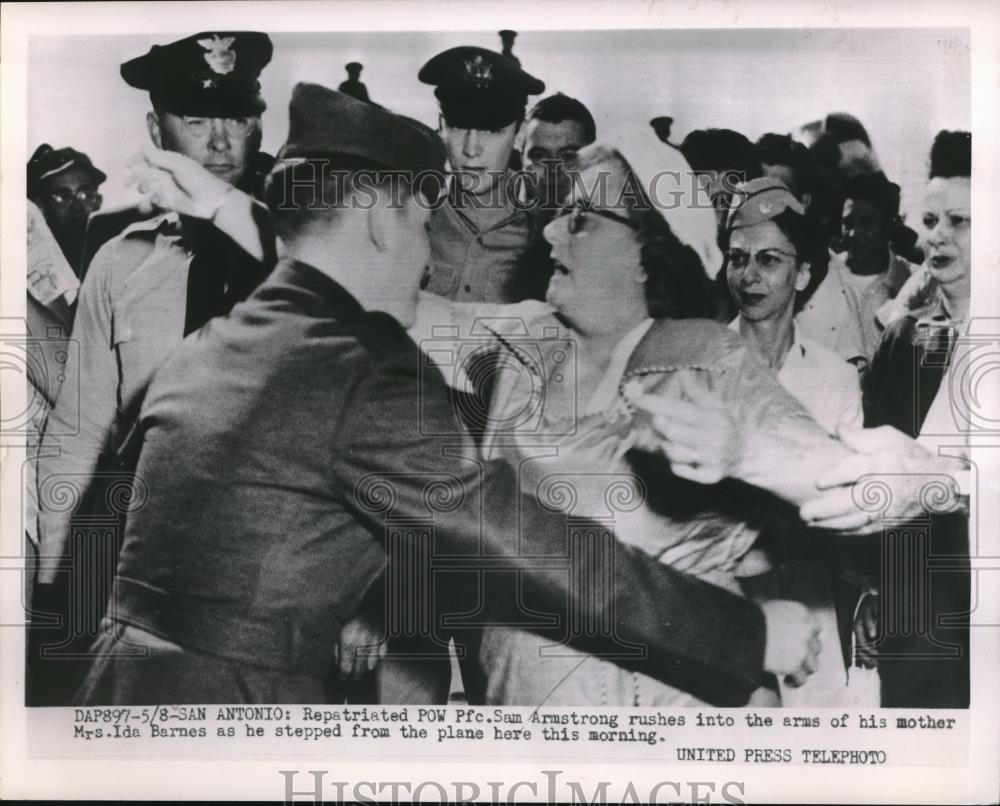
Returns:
(395, 380)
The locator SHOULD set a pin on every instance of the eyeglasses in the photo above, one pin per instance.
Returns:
(62, 197)
(766, 259)
(200, 128)
(577, 217)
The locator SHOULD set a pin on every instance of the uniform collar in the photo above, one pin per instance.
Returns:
(934, 312)
(308, 277)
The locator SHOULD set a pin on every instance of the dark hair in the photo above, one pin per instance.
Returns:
(783, 149)
(875, 189)
(676, 285)
(722, 150)
(951, 155)
(806, 235)
(842, 127)
(883, 195)
(557, 108)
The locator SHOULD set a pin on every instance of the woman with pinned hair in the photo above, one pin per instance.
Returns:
(908, 386)
(619, 403)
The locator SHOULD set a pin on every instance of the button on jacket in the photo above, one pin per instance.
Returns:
(469, 264)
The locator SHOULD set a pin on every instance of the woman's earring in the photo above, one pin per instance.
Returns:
(640, 278)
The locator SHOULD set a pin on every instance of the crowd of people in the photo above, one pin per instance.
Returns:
(519, 411)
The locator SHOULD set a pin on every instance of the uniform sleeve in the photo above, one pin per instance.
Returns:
(674, 627)
(79, 424)
(784, 449)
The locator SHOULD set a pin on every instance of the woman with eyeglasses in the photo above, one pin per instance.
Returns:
(628, 347)
(776, 255)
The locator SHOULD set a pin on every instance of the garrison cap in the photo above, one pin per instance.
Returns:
(479, 88)
(212, 74)
(48, 161)
(761, 200)
(322, 123)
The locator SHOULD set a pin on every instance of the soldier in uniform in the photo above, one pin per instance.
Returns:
(507, 38)
(206, 245)
(198, 79)
(481, 237)
(354, 86)
(288, 437)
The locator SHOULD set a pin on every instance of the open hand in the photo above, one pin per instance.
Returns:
(176, 183)
(890, 476)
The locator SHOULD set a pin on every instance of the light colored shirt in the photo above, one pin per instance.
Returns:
(472, 261)
(129, 318)
(823, 382)
(842, 312)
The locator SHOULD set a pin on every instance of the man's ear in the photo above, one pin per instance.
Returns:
(379, 226)
(442, 126)
(803, 277)
(153, 125)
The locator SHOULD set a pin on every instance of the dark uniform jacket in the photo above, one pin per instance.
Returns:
(286, 446)
(921, 567)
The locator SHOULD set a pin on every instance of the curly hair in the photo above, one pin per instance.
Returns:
(676, 286)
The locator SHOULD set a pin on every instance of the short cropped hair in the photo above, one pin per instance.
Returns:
(557, 108)
(316, 189)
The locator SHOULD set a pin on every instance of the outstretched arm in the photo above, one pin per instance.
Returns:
(651, 616)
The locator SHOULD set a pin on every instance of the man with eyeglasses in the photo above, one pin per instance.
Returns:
(65, 185)
(197, 243)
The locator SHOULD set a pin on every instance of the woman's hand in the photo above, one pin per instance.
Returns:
(695, 430)
(361, 646)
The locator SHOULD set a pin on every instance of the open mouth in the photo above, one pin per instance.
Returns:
(560, 268)
(750, 299)
(941, 261)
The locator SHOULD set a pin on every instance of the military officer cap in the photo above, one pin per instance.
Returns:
(212, 74)
(48, 161)
(324, 123)
(479, 88)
